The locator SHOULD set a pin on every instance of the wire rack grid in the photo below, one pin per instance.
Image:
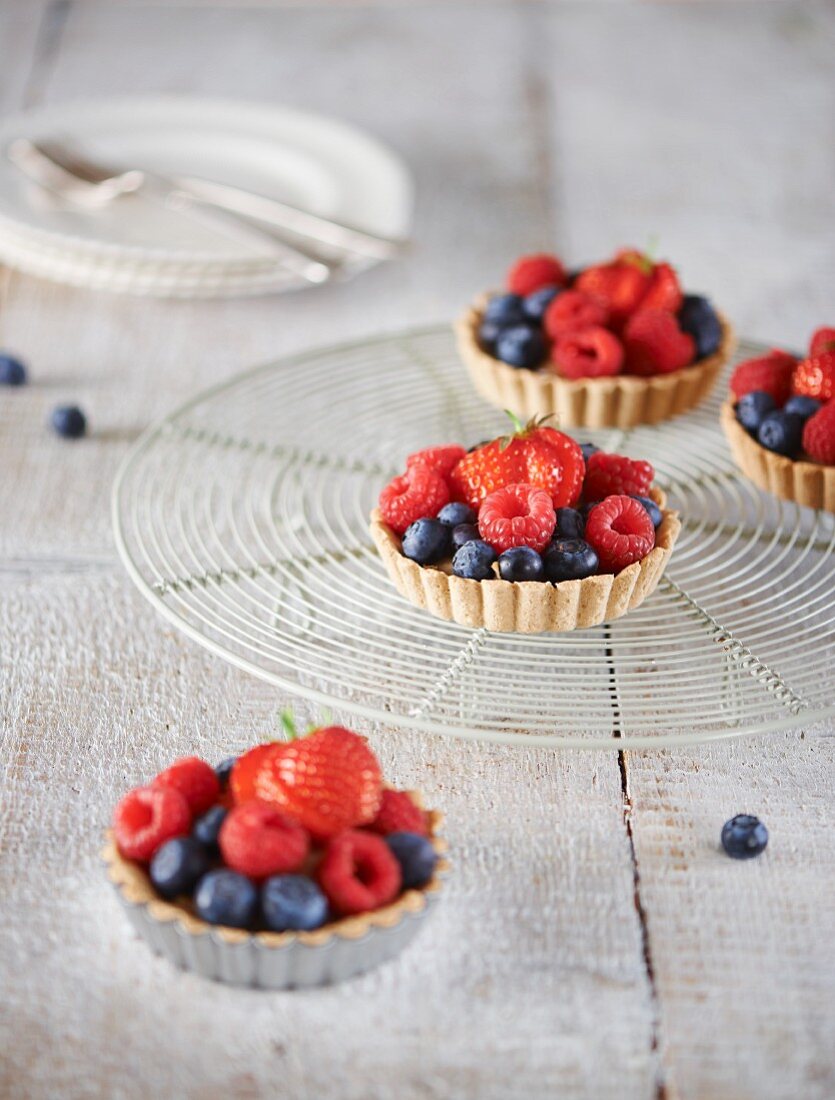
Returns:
(243, 517)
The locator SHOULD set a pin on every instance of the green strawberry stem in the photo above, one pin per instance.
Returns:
(288, 725)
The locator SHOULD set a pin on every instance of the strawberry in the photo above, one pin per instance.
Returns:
(329, 780)
(619, 285)
(823, 339)
(815, 376)
(417, 493)
(534, 455)
(664, 290)
(440, 459)
(399, 814)
(531, 273)
(518, 515)
(593, 353)
(609, 475)
(654, 343)
(770, 373)
(819, 435)
(573, 311)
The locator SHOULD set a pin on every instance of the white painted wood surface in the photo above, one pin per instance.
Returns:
(593, 942)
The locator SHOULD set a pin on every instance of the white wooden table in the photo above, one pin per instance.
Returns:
(593, 943)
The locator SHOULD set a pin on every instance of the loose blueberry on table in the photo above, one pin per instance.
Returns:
(744, 836)
(788, 405)
(627, 315)
(12, 370)
(530, 506)
(290, 836)
(69, 421)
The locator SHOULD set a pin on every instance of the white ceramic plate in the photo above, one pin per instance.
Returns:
(307, 160)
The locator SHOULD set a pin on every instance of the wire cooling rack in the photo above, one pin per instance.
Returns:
(243, 515)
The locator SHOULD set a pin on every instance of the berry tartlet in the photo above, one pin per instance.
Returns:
(780, 422)
(610, 346)
(528, 533)
(292, 866)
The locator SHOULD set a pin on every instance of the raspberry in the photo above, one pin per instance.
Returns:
(573, 311)
(815, 376)
(258, 841)
(823, 339)
(417, 493)
(771, 374)
(655, 344)
(620, 530)
(518, 515)
(195, 780)
(819, 435)
(610, 475)
(664, 290)
(592, 353)
(440, 459)
(148, 816)
(359, 872)
(398, 814)
(620, 285)
(531, 273)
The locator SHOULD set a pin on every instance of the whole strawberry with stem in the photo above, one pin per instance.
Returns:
(328, 779)
(533, 454)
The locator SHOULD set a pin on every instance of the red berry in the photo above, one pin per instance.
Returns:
(398, 814)
(246, 769)
(531, 273)
(258, 841)
(518, 515)
(592, 353)
(329, 780)
(440, 459)
(417, 493)
(148, 816)
(815, 376)
(655, 344)
(823, 339)
(620, 285)
(620, 530)
(573, 311)
(609, 475)
(195, 780)
(771, 373)
(534, 455)
(819, 435)
(664, 290)
(359, 872)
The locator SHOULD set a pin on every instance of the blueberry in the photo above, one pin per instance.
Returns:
(224, 770)
(206, 828)
(474, 560)
(782, 433)
(453, 514)
(225, 897)
(588, 450)
(802, 406)
(504, 310)
(12, 371)
(698, 317)
(520, 563)
(463, 533)
(426, 541)
(293, 903)
(177, 866)
(416, 857)
(69, 421)
(534, 305)
(570, 524)
(488, 334)
(653, 511)
(752, 408)
(521, 346)
(569, 560)
(744, 836)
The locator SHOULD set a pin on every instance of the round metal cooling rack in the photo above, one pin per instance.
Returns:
(243, 516)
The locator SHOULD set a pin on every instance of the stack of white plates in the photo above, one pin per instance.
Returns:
(138, 245)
